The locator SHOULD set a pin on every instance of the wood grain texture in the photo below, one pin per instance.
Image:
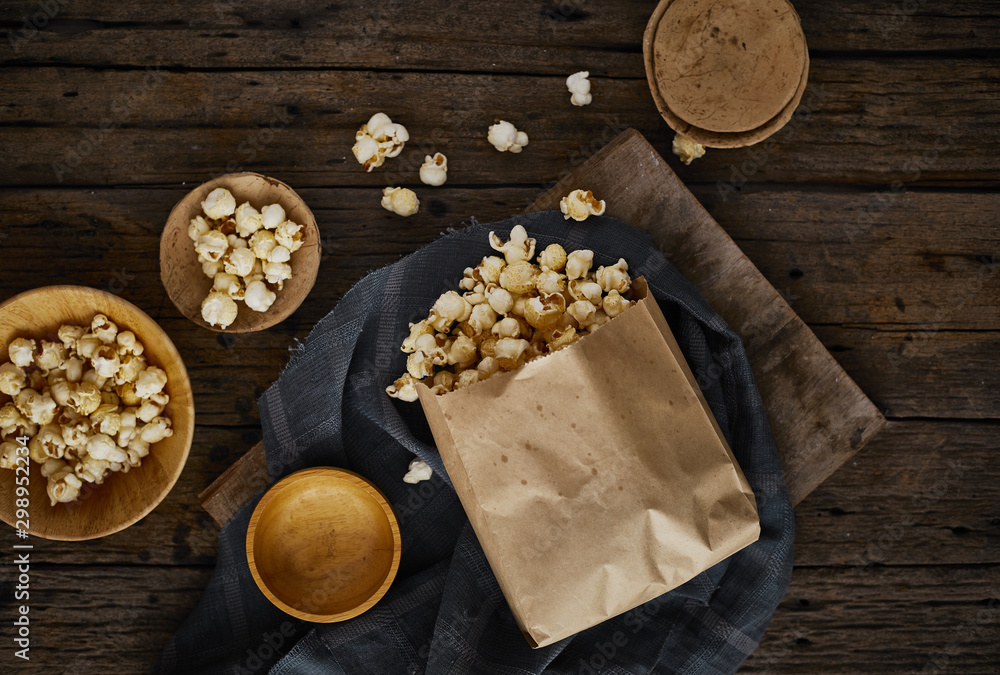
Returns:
(819, 418)
(551, 37)
(82, 126)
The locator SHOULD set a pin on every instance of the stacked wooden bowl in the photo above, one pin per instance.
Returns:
(726, 74)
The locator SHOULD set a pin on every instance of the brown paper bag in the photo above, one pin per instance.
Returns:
(596, 478)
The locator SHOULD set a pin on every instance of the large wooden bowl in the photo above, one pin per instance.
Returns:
(181, 272)
(323, 545)
(122, 499)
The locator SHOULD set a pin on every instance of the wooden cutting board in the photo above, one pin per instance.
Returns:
(819, 417)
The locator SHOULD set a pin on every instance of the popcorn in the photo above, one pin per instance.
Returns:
(212, 245)
(63, 486)
(434, 170)
(553, 258)
(218, 309)
(505, 137)
(239, 262)
(510, 311)
(578, 263)
(272, 215)
(12, 379)
(686, 149)
(401, 201)
(277, 272)
(580, 205)
(157, 430)
(219, 204)
(418, 471)
(614, 278)
(579, 88)
(198, 227)
(290, 235)
(76, 426)
(518, 249)
(258, 296)
(22, 352)
(377, 139)
(240, 247)
(248, 220)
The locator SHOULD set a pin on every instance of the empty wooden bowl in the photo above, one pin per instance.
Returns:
(123, 498)
(181, 272)
(726, 74)
(323, 545)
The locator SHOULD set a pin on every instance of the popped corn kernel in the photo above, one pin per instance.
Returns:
(578, 263)
(687, 150)
(401, 201)
(519, 248)
(580, 205)
(218, 309)
(505, 137)
(219, 204)
(579, 88)
(434, 170)
(418, 471)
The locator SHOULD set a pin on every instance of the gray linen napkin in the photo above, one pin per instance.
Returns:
(445, 612)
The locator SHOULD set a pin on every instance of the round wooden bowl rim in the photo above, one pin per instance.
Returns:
(300, 275)
(716, 139)
(339, 475)
(184, 385)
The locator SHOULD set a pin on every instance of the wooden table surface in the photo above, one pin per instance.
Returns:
(875, 214)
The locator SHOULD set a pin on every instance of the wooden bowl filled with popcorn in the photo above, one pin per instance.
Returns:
(239, 253)
(96, 413)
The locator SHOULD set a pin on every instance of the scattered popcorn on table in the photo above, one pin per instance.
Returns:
(579, 87)
(580, 205)
(238, 246)
(94, 409)
(505, 137)
(419, 470)
(377, 139)
(509, 311)
(402, 201)
(434, 170)
(686, 149)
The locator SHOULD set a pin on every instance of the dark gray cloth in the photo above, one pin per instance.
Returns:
(445, 612)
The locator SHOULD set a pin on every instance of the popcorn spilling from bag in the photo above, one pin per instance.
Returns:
(245, 252)
(509, 311)
(88, 404)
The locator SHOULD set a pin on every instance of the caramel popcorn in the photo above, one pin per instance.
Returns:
(88, 404)
(687, 150)
(580, 205)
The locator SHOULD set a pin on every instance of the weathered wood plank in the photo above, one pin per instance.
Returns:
(912, 373)
(548, 37)
(100, 127)
(236, 486)
(876, 620)
(85, 620)
(919, 493)
(896, 620)
(930, 259)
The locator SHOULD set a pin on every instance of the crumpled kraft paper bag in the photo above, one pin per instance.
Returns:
(596, 478)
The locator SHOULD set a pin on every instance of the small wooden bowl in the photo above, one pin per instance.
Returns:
(181, 272)
(323, 545)
(122, 499)
(726, 75)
